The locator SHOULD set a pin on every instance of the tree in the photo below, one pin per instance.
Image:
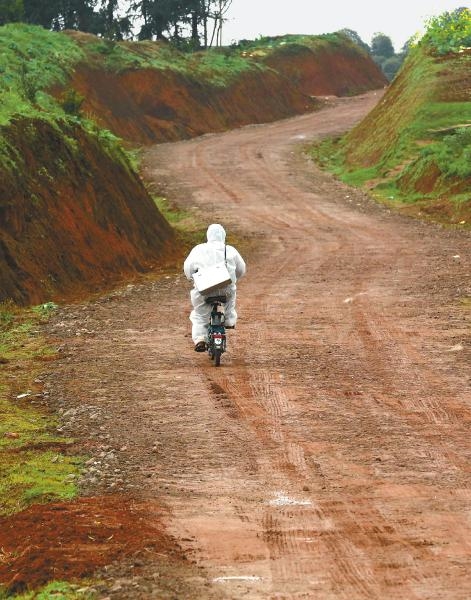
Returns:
(77, 14)
(108, 17)
(353, 35)
(41, 13)
(185, 22)
(220, 8)
(160, 18)
(391, 66)
(11, 10)
(381, 45)
(62, 14)
(111, 23)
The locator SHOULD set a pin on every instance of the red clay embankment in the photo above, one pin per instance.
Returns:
(328, 71)
(150, 106)
(73, 218)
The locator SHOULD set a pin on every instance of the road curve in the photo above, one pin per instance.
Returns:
(329, 456)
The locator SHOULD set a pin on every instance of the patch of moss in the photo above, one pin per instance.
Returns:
(31, 470)
(33, 476)
(26, 422)
(57, 590)
(174, 214)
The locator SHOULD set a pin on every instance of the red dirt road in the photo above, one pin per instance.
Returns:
(329, 456)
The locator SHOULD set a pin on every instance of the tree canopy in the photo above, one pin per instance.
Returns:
(381, 45)
(199, 21)
(355, 37)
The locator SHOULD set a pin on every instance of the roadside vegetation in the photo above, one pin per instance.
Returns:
(57, 590)
(35, 465)
(265, 45)
(413, 150)
(215, 66)
(33, 60)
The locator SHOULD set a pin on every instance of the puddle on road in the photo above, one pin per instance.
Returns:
(236, 578)
(281, 499)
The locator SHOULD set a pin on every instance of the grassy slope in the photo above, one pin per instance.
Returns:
(34, 60)
(330, 62)
(264, 46)
(398, 150)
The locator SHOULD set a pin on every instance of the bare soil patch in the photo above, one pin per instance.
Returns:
(70, 541)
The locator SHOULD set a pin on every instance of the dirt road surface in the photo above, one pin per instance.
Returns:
(329, 456)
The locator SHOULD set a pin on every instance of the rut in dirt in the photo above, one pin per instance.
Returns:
(328, 456)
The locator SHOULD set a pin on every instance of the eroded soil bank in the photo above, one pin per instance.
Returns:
(328, 456)
(74, 218)
(147, 105)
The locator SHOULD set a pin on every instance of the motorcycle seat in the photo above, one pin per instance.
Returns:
(214, 299)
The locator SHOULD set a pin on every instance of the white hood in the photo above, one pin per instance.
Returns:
(216, 233)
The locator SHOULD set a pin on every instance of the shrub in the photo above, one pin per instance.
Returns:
(27, 84)
(449, 32)
(453, 155)
(71, 102)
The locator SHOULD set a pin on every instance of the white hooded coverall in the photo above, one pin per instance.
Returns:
(206, 255)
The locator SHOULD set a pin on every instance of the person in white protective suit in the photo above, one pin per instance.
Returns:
(207, 255)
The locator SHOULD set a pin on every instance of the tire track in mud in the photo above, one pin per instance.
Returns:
(362, 547)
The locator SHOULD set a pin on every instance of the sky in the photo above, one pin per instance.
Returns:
(399, 19)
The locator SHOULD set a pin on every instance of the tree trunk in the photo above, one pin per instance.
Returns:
(205, 23)
(213, 35)
(194, 28)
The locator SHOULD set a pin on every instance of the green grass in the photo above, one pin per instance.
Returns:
(32, 467)
(452, 154)
(221, 67)
(33, 60)
(56, 590)
(216, 66)
(122, 56)
(400, 149)
(187, 225)
(36, 477)
(174, 215)
(272, 43)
